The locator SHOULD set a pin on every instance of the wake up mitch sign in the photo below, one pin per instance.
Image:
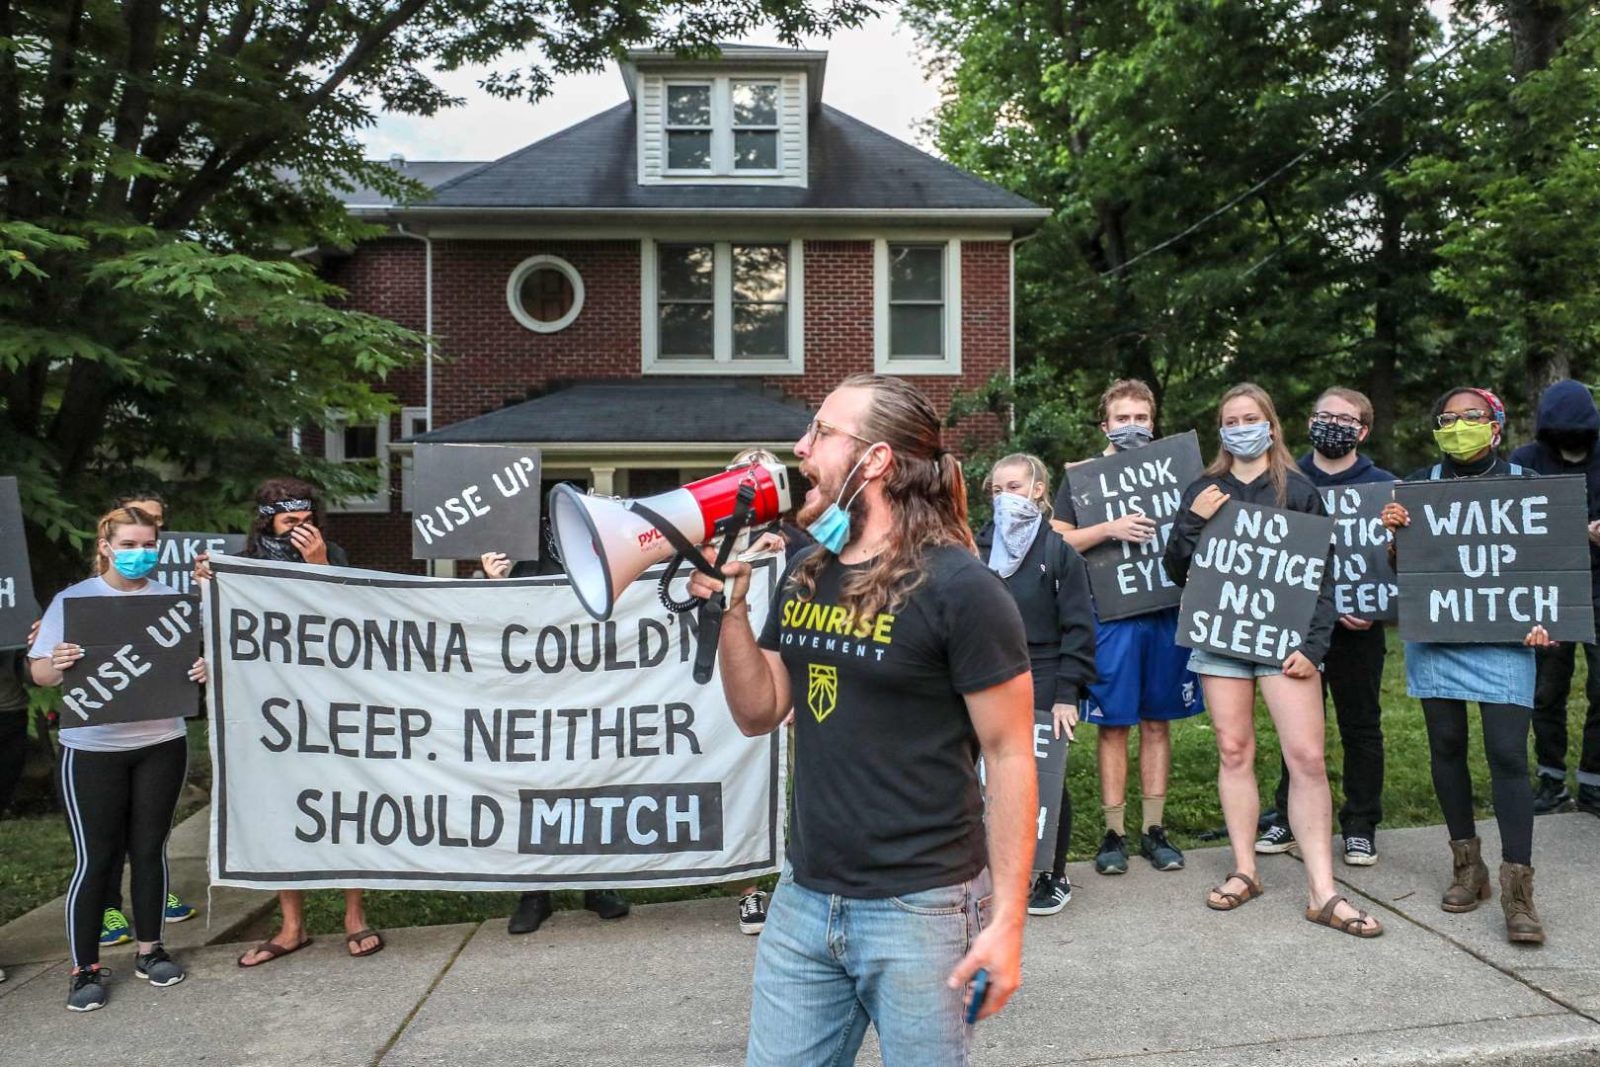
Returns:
(1484, 560)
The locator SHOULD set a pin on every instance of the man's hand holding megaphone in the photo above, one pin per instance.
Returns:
(737, 572)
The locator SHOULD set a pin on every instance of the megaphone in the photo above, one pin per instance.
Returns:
(605, 543)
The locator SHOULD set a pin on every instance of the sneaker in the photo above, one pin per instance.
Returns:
(158, 968)
(1551, 796)
(1359, 850)
(1277, 839)
(1113, 855)
(1162, 854)
(177, 911)
(114, 930)
(752, 912)
(606, 903)
(1589, 799)
(88, 990)
(1050, 894)
(532, 910)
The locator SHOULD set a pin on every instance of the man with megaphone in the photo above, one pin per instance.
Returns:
(902, 656)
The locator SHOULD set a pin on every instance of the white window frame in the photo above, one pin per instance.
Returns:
(776, 129)
(950, 363)
(514, 293)
(722, 361)
(412, 422)
(333, 452)
(722, 163)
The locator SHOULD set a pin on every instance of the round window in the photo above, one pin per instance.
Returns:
(545, 293)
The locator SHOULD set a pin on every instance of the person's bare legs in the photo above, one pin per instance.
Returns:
(1296, 708)
(1111, 753)
(1155, 758)
(355, 920)
(1231, 704)
(291, 933)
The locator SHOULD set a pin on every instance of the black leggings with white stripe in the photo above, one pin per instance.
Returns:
(117, 801)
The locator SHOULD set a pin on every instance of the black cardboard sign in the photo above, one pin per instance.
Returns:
(1484, 560)
(137, 651)
(1127, 579)
(1254, 582)
(18, 608)
(1363, 578)
(1050, 759)
(472, 499)
(180, 549)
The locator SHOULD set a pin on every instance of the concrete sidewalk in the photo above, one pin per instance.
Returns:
(1136, 971)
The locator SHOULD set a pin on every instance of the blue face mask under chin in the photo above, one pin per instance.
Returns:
(832, 527)
(134, 563)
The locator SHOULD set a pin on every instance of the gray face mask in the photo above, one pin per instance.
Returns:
(1248, 440)
(1130, 435)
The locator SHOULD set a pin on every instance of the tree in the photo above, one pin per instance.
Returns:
(161, 159)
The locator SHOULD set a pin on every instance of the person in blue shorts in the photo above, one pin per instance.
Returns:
(1144, 675)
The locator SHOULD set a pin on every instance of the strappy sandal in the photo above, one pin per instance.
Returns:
(1252, 889)
(273, 951)
(352, 940)
(1363, 925)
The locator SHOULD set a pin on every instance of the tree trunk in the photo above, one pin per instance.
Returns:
(1397, 54)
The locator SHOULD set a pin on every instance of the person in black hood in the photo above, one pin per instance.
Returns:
(1254, 467)
(1567, 429)
(1050, 583)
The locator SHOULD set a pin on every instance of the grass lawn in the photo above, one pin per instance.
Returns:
(36, 853)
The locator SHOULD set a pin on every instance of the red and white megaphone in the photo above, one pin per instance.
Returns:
(605, 542)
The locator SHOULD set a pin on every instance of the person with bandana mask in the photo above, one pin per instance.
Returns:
(1468, 424)
(1352, 674)
(1254, 467)
(1564, 443)
(1144, 676)
(120, 781)
(1050, 583)
(285, 528)
(903, 657)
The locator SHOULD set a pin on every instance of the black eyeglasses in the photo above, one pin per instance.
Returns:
(1338, 420)
(1450, 418)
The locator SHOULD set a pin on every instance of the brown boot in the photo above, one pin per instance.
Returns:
(1471, 884)
(1516, 897)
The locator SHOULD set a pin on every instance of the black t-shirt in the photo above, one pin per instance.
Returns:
(886, 795)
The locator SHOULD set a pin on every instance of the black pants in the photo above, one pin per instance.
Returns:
(1505, 744)
(1058, 864)
(1550, 712)
(13, 753)
(1352, 674)
(117, 801)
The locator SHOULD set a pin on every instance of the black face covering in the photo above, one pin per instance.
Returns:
(279, 548)
(1574, 441)
(1333, 440)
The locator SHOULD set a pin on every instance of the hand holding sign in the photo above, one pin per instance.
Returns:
(1133, 528)
(1209, 502)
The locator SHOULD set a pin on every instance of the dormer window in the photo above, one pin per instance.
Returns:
(723, 125)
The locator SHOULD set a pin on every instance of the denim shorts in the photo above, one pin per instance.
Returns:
(1218, 666)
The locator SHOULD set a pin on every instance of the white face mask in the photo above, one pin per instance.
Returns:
(1016, 522)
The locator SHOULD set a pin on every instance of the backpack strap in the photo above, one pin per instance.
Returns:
(1437, 472)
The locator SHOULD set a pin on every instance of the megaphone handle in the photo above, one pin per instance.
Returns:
(708, 631)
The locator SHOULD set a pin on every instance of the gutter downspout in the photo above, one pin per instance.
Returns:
(1011, 293)
(427, 314)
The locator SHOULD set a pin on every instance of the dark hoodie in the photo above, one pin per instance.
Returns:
(1361, 472)
(1051, 588)
(1568, 418)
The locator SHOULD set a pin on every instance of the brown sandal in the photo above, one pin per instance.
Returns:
(352, 940)
(273, 951)
(1363, 925)
(1252, 889)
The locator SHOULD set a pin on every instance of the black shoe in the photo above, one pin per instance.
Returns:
(1277, 839)
(1589, 799)
(532, 910)
(1162, 854)
(1360, 849)
(606, 903)
(1113, 855)
(1050, 894)
(752, 912)
(1551, 796)
(87, 991)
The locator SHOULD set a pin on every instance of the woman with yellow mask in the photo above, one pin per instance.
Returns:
(1468, 424)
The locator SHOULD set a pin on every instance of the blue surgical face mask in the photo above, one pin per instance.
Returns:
(1247, 440)
(134, 563)
(832, 527)
(1130, 435)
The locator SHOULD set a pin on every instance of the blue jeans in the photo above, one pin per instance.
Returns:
(828, 965)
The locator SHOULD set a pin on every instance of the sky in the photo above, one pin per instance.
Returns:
(873, 74)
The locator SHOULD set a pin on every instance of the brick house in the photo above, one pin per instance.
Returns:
(680, 276)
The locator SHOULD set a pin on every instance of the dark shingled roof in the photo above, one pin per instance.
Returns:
(593, 165)
(657, 411)
(431, 173)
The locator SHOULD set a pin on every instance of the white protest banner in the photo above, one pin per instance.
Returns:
(401, 732)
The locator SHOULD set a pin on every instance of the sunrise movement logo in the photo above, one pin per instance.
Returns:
(822, 689)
